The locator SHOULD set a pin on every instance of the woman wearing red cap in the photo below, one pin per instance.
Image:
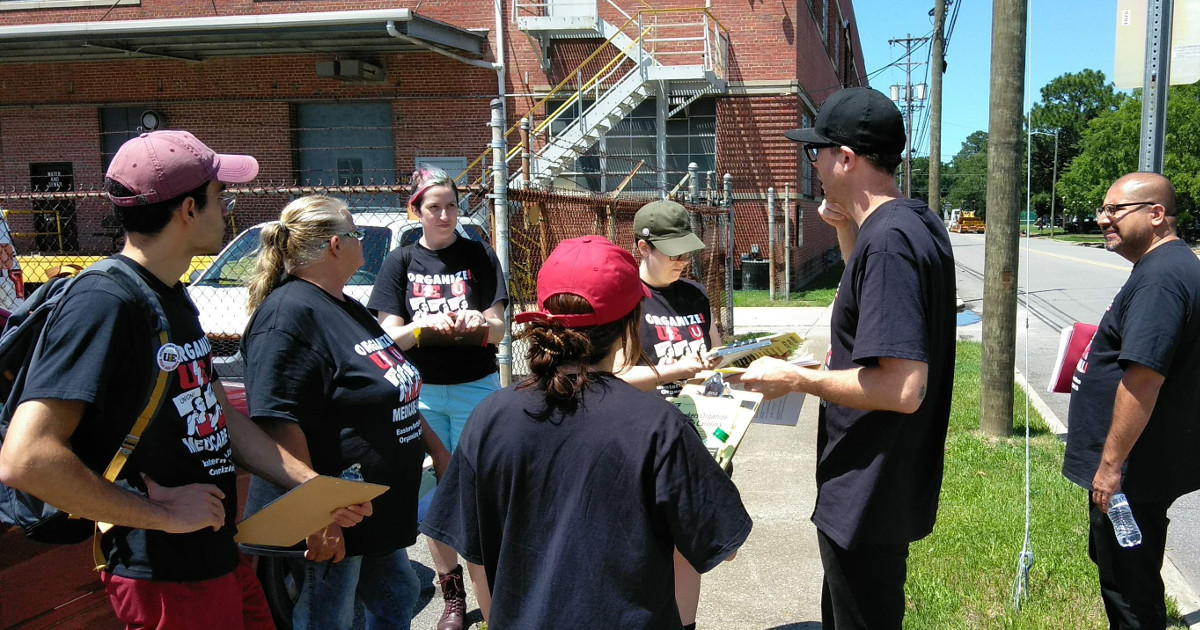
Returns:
(574, 511)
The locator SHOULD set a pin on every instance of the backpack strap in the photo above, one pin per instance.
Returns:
(135, 286)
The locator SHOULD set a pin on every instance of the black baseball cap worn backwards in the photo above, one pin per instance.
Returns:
(860, 118)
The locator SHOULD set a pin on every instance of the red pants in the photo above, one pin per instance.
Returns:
(231, 602)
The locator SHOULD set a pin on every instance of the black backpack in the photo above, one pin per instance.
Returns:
(22, 336)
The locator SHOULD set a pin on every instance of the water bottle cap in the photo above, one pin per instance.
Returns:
(720, 434)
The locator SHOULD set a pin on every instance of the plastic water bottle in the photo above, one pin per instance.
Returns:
(1126, 529)
(716, 441)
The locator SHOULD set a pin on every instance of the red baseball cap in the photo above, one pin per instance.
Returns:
(163, 165)
(594, 269)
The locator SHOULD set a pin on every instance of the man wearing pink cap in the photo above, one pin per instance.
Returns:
(573, 489)
(170, 561)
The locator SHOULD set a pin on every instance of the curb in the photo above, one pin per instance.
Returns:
(1176, 585)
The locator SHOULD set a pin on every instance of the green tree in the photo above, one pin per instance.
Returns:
(1108, 149)
(964, 179)
(1069, 102)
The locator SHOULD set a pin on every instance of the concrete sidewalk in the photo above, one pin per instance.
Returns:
(775, 580)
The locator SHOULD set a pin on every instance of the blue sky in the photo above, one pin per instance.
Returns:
(1065, 36)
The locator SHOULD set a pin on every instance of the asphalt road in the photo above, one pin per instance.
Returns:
(1059, 284)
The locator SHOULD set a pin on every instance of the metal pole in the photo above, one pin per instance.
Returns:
(771, 244)
(1154, 89)
(525, 152)
(728, 180)
(499, 198)
(693, 173)
(694, 219)
(663, 108)
(787, 241)
(1054, 183)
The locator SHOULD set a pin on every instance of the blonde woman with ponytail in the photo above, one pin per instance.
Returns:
(332, 388)
(573, 489)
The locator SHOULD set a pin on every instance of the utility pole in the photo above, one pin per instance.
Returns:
(1005, 120)
(908, 97)
(937, 62)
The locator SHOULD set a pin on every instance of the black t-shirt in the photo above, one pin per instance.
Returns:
(326, 365)
(577, 517)
(879, 472)
(1153, 321)
(676, 321)
(415, 281)
(99, 349)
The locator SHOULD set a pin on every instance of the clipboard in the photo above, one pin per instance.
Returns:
(432, 337)
(732, 411)
(303, 510)
(743, 353)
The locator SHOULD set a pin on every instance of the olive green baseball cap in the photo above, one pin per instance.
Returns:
(665, 224)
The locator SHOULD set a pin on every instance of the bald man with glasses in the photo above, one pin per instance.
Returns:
(1133, 423)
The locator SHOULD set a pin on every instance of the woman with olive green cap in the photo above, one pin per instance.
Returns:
(676, 330)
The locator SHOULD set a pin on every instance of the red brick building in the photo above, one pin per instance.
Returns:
(358, 92)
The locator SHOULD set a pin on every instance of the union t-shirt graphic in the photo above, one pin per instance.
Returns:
(678, 335)
(431, 294)
(204, 420)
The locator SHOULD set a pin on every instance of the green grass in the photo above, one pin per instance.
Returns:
(1060, 235)
(818, 292)
(961, 576)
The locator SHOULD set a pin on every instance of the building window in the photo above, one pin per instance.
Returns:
(820, 13)
(452, 165)
(806, 167)
(346, 144)
(691, 136)
(117, 125)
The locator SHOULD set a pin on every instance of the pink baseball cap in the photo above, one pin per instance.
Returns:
(162, 165)
(594, 269)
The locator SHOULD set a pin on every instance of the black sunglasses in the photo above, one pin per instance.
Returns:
(811, 149)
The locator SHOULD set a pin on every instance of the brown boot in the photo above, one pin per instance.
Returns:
(455, 594)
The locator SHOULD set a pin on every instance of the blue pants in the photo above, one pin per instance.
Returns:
(446, 407)
(386, 586)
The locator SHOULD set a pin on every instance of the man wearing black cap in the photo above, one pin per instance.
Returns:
(887, 381)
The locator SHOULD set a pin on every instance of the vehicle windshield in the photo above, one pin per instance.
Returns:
(474, 232)
(235, 265)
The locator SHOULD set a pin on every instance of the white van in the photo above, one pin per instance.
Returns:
(12, 284)
(220, 290)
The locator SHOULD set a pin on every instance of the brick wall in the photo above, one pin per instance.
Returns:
(440, 106)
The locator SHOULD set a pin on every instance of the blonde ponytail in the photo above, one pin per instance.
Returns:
(297, 239)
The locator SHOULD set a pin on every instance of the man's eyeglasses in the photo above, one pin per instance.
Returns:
(810, 150)
(227, 200)
(1110, 210)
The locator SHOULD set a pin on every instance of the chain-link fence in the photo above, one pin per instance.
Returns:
(64, 232)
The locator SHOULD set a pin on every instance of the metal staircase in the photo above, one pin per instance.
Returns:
(684, 50)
